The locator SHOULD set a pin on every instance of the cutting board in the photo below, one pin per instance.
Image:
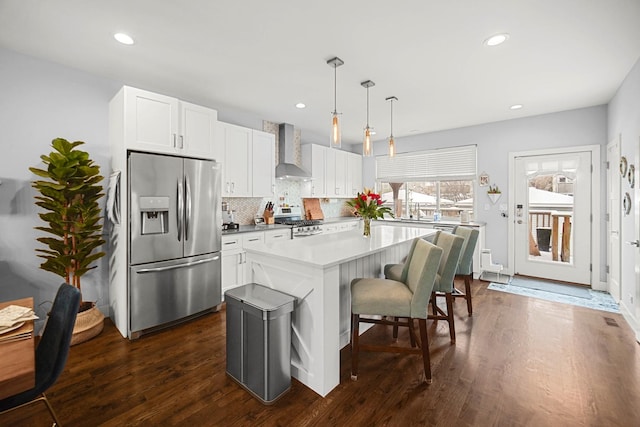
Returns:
(312, 209)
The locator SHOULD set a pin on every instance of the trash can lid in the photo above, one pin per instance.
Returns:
(260, 297)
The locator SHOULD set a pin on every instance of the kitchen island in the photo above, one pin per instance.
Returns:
(318, 270)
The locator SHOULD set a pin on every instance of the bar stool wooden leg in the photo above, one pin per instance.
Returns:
(467, 290)
(355, 335)
(452, 328)
(424, 343)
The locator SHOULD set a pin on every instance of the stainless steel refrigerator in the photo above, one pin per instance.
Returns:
(174, 239)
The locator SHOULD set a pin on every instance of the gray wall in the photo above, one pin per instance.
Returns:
(41, 101)
(624, 121)
(586, 126)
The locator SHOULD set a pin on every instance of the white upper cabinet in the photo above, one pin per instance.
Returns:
(314, 159)
(248, 161)
(197, 130)
(264, 164)
(354, 174)
(236, 159)
(162, 124)
(336, 173)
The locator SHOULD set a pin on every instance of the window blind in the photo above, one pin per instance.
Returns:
(445, 164)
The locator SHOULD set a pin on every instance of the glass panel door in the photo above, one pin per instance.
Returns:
(552, 215)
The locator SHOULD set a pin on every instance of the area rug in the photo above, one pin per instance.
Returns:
(597, 300)
(548, 286)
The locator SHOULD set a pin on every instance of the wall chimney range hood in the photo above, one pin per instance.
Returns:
(287, 169)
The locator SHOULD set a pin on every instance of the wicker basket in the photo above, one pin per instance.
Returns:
(89, 323)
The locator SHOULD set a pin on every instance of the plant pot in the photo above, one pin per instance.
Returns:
(494, 197)
(89, 323)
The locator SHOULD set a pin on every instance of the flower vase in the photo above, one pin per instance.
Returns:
(367, 227)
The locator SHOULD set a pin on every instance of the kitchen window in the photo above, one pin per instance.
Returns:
(429, 182)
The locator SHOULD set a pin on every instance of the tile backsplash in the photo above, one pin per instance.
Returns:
(288, 192)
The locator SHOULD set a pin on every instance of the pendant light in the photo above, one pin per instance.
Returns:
(336, 138)
(367, 149)
(392, 143)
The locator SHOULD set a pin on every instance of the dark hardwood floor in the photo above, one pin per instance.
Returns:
(517, 362)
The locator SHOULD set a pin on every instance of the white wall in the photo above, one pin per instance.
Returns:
(40, 101)
(586, 126)
(624, 121)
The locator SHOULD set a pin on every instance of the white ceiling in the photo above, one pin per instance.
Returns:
(262, 57)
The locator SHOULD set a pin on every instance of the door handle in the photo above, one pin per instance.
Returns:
(635, 243)
(180, 212)
(519, 221)
(187, 202)
(173, 267)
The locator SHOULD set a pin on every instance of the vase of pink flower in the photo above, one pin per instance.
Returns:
(369, 205)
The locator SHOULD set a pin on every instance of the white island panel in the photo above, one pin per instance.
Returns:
(318, 270)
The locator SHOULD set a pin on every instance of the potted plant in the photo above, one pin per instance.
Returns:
(69, 195)
(369, 205)
(494, 193)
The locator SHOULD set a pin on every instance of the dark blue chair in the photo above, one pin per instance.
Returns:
(52, 351)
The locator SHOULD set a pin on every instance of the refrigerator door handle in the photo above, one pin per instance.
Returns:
(187, 202)
(180, 213)
(173, 267)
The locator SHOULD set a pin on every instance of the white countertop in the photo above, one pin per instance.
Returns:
(326, 250)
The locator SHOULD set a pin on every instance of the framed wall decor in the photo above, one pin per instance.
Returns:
(623, 166)
(483, 179)
(626, 203)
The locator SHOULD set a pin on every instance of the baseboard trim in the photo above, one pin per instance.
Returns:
(631, 321)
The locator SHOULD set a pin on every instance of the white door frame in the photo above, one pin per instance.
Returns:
(595, 150)
(614, 221)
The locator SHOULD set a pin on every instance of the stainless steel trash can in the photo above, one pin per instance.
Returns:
(259, 340)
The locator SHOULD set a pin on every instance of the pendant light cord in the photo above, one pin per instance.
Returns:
(335, 89)
(392, 118)
(367, 107)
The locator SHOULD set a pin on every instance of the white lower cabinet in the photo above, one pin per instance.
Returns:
(277, 235)
(235, 270)
(234, 259)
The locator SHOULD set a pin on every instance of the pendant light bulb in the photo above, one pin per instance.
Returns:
(367, 149)
(392, 147)
(336, 137)
(392, 143)
(366, 144)
(335, 131)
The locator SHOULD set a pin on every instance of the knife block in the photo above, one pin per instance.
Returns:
(268, 217)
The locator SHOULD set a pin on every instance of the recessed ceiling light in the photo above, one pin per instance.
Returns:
(123, 38)
(372, 132)
(496, 39)
(516, 106)
(300, 105)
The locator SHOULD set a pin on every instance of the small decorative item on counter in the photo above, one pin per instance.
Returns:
(369, 205)
(268, 214)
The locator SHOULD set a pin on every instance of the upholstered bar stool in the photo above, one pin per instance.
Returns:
(465, 265)
(452, 247)
(406, 299)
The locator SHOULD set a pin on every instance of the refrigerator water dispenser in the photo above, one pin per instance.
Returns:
(154, 215)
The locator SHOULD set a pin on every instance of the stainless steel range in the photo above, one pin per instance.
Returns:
(292, 216)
